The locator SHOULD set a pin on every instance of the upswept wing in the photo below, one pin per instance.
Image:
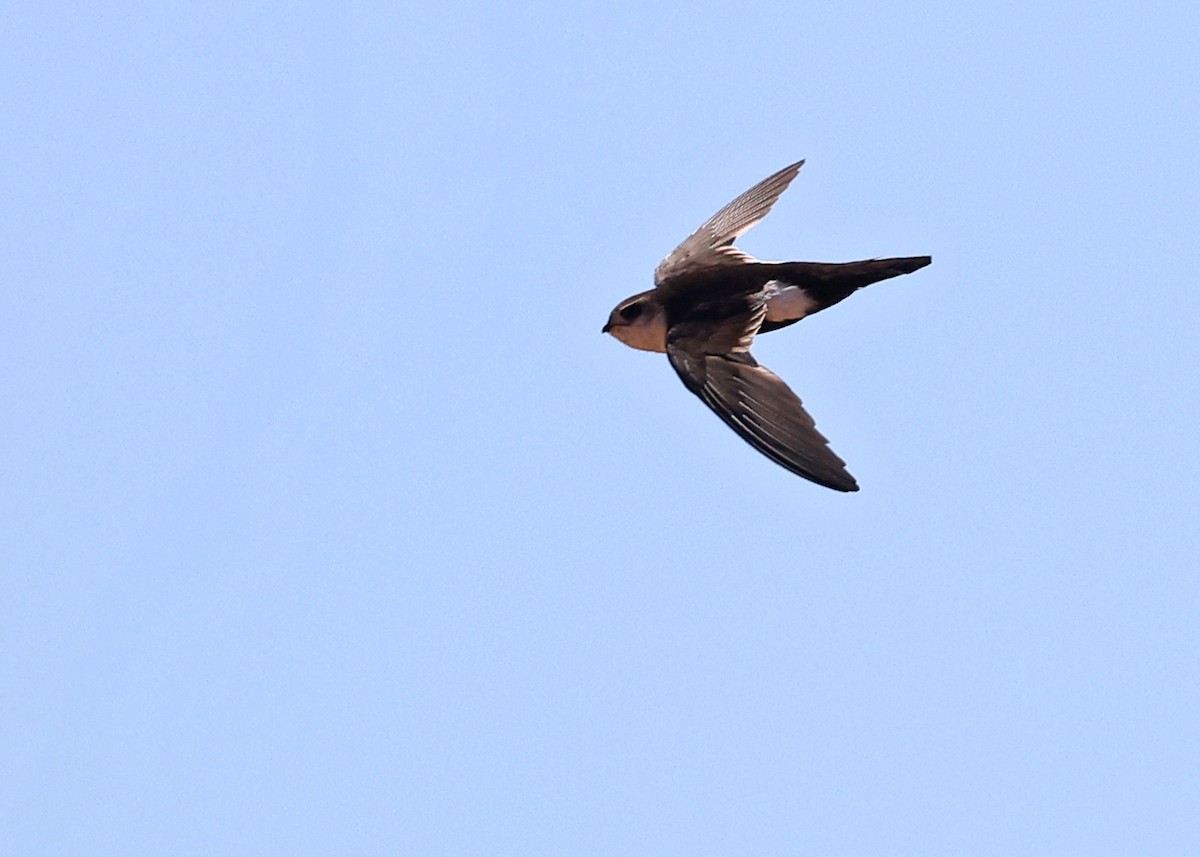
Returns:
(712, 243)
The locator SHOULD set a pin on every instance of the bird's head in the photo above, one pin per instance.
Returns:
(639, 322)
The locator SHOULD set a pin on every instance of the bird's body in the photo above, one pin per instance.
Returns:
(711, 299)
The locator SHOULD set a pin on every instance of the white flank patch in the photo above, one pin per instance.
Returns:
(787, 302)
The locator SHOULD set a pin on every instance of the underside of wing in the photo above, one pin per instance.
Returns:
(763, 410)
(711, 244)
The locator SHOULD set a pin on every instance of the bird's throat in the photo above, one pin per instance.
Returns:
(647, 336)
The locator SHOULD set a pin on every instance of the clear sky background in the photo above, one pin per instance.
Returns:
(333, 525)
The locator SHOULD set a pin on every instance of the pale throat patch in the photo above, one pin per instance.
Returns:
(785, 302)
(648, 335)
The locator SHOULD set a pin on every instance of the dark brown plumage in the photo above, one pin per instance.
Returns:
(710, 300)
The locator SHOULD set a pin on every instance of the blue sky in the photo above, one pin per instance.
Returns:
(334, 526)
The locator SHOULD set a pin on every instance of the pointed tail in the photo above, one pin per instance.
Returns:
(827, 283)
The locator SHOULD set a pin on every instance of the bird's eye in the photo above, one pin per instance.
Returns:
(631, 312)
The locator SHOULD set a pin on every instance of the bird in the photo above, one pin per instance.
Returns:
(710, 299)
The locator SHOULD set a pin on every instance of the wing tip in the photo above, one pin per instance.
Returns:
(843, 481)
(788, 173)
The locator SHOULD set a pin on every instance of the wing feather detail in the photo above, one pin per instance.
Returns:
(756, 403)
(712, 244)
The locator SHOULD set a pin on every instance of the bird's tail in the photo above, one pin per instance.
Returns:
(830, 282)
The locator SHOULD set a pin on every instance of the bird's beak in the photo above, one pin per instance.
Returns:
(607, 327)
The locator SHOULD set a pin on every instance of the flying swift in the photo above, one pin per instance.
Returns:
(711, 299)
